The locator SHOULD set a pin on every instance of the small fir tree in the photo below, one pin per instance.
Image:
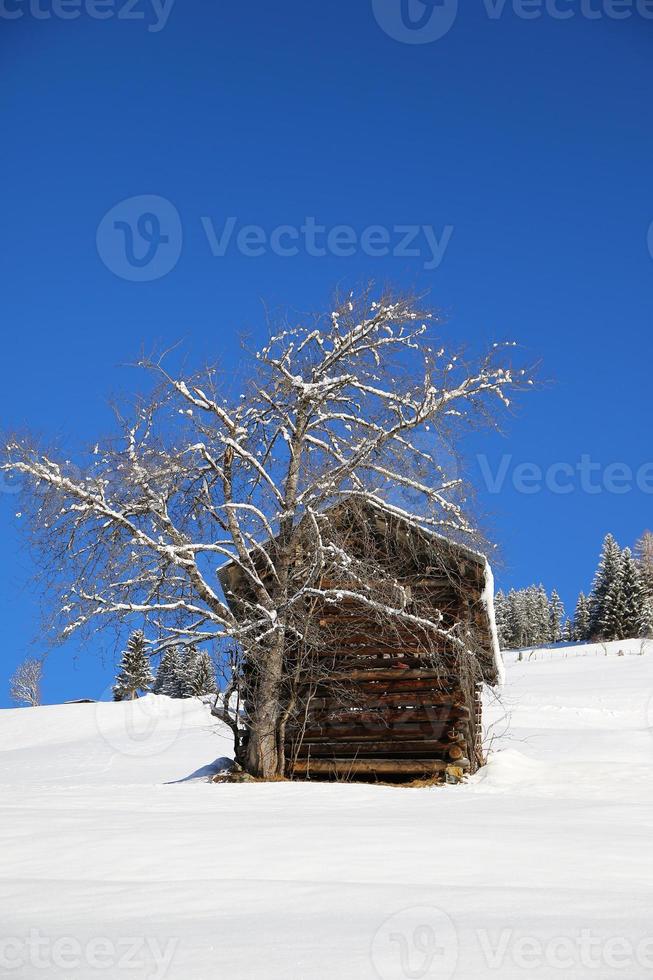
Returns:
(134, 674)
(187, 672)
(644, 554)
(501, 619)
(168, 675)
(646, 616)
(581, 624)
(556, 617)
(202, 680)
(632, 598)
(605, 591)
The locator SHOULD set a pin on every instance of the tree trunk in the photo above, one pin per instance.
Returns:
(264, 754)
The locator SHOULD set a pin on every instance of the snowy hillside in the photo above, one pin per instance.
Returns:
(113, 863)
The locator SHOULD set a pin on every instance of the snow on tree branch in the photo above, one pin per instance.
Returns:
(362, 401)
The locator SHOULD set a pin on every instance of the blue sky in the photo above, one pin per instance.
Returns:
(524, 145)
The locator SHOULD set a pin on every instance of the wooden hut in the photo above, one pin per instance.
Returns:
(386, 700)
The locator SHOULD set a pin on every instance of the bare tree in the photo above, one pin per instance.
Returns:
(25, 684)
(360, 402)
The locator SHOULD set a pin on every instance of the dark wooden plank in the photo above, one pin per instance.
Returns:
(394, 681)
(391, 674)
(385, 715)
(361, 735)
(373, 699)
(423, 747)
(371, 767)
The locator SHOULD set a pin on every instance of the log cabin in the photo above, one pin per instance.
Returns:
(378, 698)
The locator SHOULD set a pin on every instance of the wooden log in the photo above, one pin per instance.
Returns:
(385, 714)
(372, 699)
(362, 735)
(388, 748)
(377, 648)
(346, 663)
(373, 721)
(371, 767)
(390, 674)
(396, 683)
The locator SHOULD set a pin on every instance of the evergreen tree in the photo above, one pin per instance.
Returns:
(168, 679)
(134, 674)
(186, 674)
(540, 630)
(517, 624)
(203, 677)
(581, 624)
(644, 553)
(646, 616)
(605, 590)
(197, 674)
(632, 598)
(501, 619)
(556, 617)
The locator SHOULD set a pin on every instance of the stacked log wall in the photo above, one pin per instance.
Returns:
(390, 711)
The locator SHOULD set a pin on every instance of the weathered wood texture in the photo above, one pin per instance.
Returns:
(374, 701)
(383, 712)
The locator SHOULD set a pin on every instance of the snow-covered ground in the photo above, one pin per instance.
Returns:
(119, 859)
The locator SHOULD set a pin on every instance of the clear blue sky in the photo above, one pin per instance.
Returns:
(531, 138)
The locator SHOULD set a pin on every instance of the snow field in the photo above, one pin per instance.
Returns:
(118, 858)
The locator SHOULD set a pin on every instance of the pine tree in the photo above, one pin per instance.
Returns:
(203, 678)
(605, 590)
(501, 618)
(168, 674)
(541, 625)
(186, 674)
(644, 553)
(196, 674)
(581, 624)
(517, 624)
(611, 620)
(135, 674)
(556, 617)
(646, 616)
(632, 598)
